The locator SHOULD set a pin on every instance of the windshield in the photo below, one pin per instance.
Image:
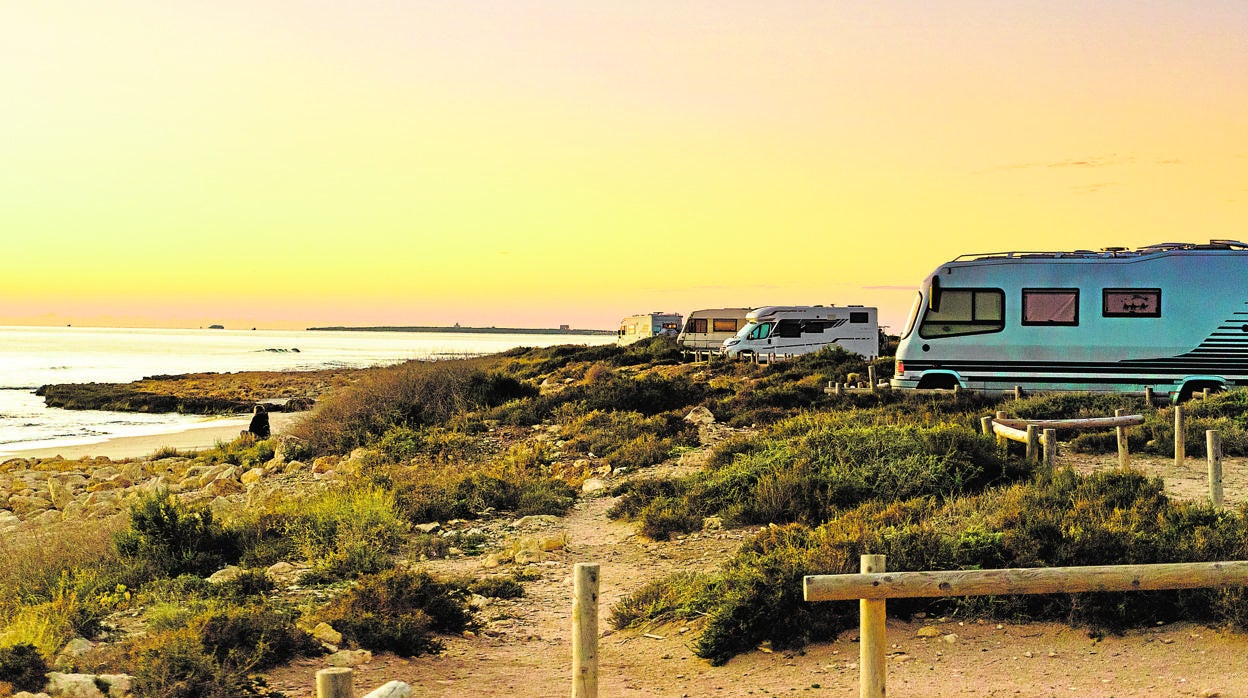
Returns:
(755, 330)
(914, 315)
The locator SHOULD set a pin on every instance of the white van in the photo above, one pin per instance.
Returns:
(638, 327)
(1173, 317)
(801, 329)
(706, 330)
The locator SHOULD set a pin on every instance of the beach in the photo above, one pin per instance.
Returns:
(196, 438)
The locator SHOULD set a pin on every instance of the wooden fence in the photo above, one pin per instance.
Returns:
(873, 586)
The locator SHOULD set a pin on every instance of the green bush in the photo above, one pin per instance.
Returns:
(497, 587)
(166, 539)
(398, 611)
(347, 532)
(180, 667)
(1067, 519)
(22, 667)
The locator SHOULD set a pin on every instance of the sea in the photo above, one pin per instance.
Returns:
(34, 356)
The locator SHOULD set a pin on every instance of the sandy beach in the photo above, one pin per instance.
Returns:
(194, 439)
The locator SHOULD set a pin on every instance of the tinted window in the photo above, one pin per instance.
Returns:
(1131, 302)
(725, 324)
(857, 317)
(696, 326)
(789, 328)
(1050, 306)
(965, 311)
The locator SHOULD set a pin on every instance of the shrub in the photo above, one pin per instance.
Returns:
(166, 539)
(180, 667)
(497, 587)
(1067, 519)
(23, 667)
(348, 532)
(398, 611)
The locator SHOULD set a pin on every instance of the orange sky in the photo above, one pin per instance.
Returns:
(535, 163)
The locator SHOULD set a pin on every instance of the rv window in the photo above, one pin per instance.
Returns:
(858, 317)
(1131, 302)
(724, 325)
(697, 326)
(761, 331)
(789, 328)
(815, 326)
(965, 311)
(914, 315)
(1050, 306)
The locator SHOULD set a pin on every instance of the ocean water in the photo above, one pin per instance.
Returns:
(34, 356)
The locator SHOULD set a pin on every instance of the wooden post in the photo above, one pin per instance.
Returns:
(1148, 395)
(1204, 394)
(1124, 454)
(1001, 439)
(1033, 442)
(335, 682)
(1050, 448)
(872, 638)
(1018, 392)
(871, 377)
(1180, 447)
(838, 389)
(585, 631)
(1213, 440)
(957, 389)
(985, 423)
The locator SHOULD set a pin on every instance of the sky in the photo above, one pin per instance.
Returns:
(533, 163)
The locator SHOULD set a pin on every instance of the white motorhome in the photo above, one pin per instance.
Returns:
(706, 330)
(1173, 317)
(801, 329)
(637, 327)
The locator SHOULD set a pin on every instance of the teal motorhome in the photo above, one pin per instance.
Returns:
(800, 329)
(1173, 317)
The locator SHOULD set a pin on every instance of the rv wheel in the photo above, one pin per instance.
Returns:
(939, 381)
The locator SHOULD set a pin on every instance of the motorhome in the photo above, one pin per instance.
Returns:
(1173, 317)
(706, 330)
(637, 327)
(800, 329)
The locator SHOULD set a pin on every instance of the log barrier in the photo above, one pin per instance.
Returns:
(873, 586)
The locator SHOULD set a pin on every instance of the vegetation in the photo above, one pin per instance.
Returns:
(824, 477)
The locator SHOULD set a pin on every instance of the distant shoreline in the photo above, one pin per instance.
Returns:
(464, 330)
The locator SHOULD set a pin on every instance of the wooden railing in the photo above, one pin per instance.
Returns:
(873, 586)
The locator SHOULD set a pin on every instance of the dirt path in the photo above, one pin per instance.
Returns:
(524, 649)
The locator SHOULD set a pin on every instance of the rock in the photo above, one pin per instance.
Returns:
(713, 523)
(349, 658)
(324, 464)
(104, 473)
(25, 694)
(77, 647)
(294, 466)
(23, 505)
(223, 486)
(224, 508)
(491, 561)
(928, 631)
(525, 557)
(252, 476)
(59, 492)
(281, 569)
(8, 520)
(44, 518)
(428, 527)
(73, 685)
(700, 415)
(326, 633)
(593, 485)
(119, 685)
(536, 520)
(950, 639)
(394, 689)
(229, 574)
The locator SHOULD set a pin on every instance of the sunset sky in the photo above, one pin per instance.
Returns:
(542, 162)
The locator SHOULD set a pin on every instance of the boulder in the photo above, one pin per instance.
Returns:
(229, 574)
(252, 476)
(286, 448)
(59, 492)
(73, 685)
(593, 485)
(23, 505)
(349, 658)
(326, 633)
(700, 415)
(394, 689)
(428, 527)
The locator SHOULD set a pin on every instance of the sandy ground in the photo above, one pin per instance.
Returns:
(194, 439)
(526, 651)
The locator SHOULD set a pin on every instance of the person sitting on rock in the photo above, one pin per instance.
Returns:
(259, 426)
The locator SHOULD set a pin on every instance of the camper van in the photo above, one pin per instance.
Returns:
(1173, 317)
(801, 329)
(706, 330)
(637, 327)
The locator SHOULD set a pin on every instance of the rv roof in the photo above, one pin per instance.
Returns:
(1110, 251)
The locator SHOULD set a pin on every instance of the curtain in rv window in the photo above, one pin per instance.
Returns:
(724, 325)
(965, 311)
(1050, 306)
(696, 326)
(1131, 302)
